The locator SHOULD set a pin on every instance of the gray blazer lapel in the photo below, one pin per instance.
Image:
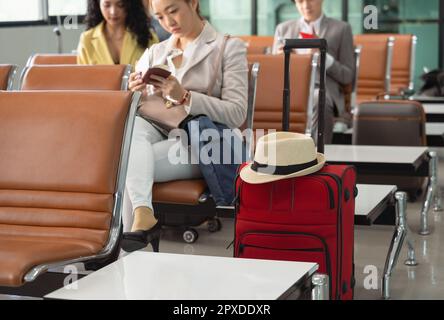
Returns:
(201, 49)
(170, 45)
(296, 30)
(293, 31)
(199, 53)
(324, 27)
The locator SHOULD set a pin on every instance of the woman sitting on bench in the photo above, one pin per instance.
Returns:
(192, 54)
(118, 32)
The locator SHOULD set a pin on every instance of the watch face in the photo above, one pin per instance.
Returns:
(171, 100)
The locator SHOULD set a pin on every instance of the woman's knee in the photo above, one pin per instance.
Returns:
(143, 130)
(173, 162)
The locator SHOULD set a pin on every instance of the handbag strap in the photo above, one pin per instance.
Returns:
(219, 63)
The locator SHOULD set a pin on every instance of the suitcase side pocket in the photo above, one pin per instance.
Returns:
(287, 246)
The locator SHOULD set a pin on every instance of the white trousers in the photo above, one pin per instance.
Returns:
(149, 163)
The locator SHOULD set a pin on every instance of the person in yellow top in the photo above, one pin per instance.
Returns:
(117, 32)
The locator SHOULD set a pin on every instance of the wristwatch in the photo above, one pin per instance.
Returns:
(172, 102)
(185, 97)
(169, 104)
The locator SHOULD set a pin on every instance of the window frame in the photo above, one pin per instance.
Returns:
(439, 21)
(47, 20)
(44, 8)
(52, 20)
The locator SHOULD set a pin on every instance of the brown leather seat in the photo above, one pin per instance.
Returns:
(375, 65)
(75, 77)
(258, 44)
(59, 170)
(185, 192)
(43, 58)
(391, 123)
(7, 73)
(268, 110)
(403, 66)
(189, 192)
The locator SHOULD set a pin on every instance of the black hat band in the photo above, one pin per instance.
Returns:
(282, 170)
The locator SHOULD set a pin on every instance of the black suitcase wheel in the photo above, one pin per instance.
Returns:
(214, 225)
(190, 236)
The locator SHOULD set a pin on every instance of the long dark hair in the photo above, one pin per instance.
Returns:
(137, 20)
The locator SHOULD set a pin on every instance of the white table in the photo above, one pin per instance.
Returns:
(426, 99)
(434, 111)
(435, 129)
(433, 108)
(378, 156)
(435, 134)
(404, 161)
(372, 201)
(161, 276)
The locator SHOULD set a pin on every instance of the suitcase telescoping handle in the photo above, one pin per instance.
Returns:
(291, 44)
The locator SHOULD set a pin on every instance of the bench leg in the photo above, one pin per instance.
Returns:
(402, 217)
(400, 234)
(437, 199)
(433, 195)
(411, 256)
(321, 287)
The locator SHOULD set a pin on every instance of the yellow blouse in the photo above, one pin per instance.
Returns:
(93, 48)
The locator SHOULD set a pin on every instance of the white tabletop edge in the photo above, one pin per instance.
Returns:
(373, 196)
(104, 284)
(373, 154)
(432, 129)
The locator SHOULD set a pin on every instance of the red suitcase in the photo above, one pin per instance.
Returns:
(307, 219)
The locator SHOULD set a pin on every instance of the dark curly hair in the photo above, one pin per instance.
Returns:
(137, 20)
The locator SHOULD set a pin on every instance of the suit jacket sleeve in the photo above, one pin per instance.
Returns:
(343, 68)
(231, 108)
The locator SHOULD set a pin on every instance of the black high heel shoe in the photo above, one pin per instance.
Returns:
(133, 241)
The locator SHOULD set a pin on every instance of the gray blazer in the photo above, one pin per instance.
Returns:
(228, 103)
(340, 46)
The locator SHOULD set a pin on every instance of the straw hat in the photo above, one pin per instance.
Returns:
(283, 155)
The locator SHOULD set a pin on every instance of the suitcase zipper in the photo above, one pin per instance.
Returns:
(242, 246)
(355, 194)
(236, 209)
(340, 244)
(339, 231)
(331, 194)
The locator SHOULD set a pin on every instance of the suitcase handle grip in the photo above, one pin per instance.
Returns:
(320, 44)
